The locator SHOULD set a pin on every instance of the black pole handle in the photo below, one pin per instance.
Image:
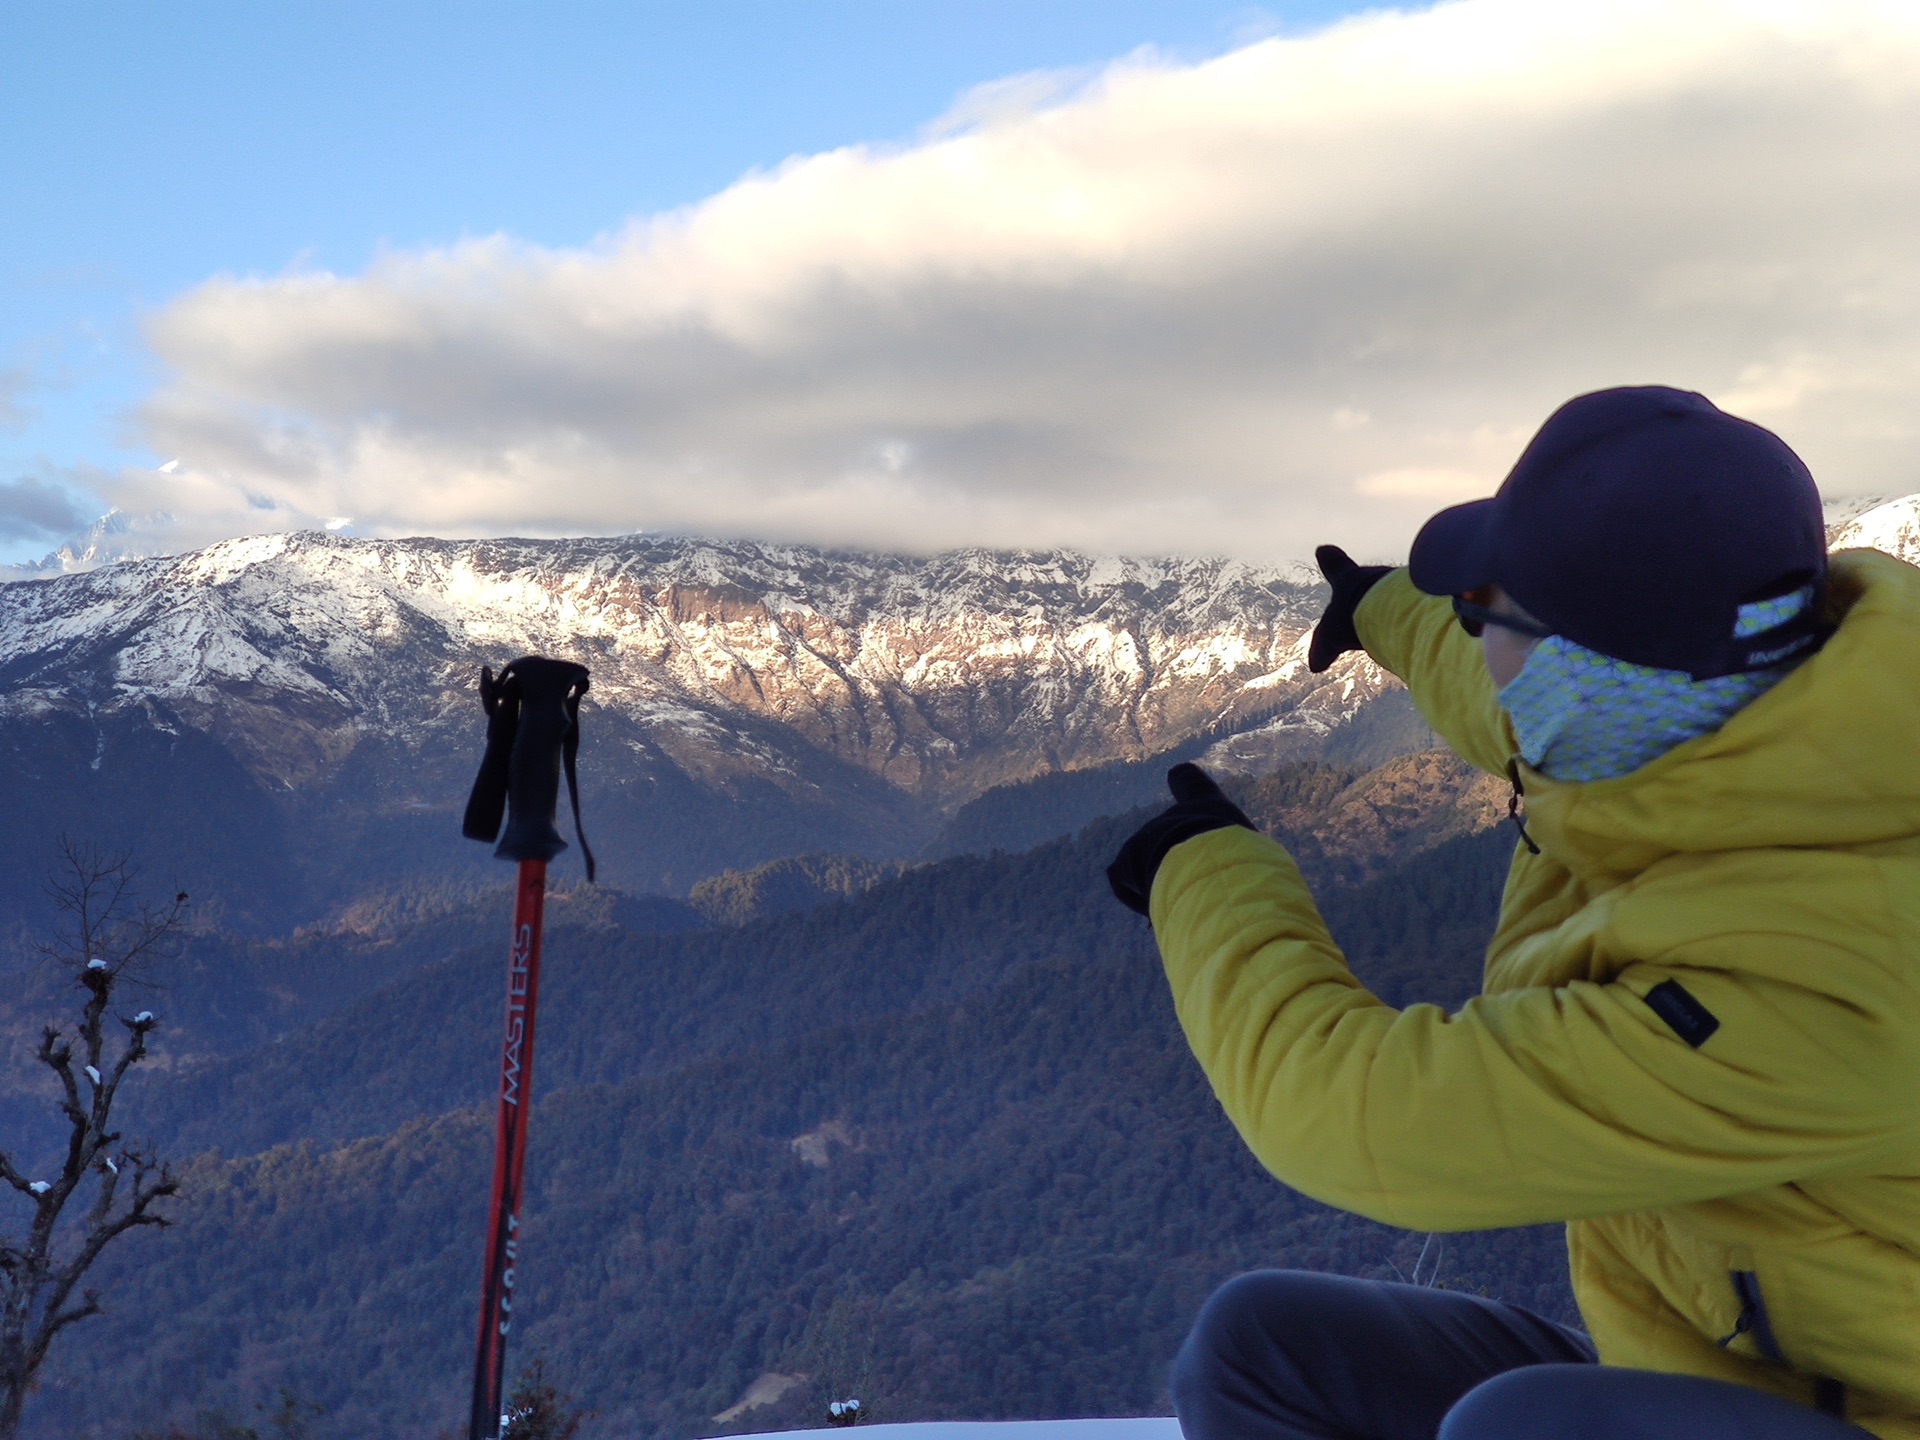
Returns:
(533, 732)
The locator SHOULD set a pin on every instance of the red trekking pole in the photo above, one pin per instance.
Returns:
(533, 734)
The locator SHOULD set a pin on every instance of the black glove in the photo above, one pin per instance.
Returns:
(1334, 636)
(1199, 806)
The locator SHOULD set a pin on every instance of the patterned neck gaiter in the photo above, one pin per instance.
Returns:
(1582, 716)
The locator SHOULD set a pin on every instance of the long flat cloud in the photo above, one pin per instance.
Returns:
(1312, 289)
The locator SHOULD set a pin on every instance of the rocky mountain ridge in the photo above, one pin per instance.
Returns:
(849, 699)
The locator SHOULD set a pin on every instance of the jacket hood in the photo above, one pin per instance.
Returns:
(1829, 758)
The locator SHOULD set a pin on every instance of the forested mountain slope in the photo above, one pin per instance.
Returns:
(958, 1103)
(621, 1002)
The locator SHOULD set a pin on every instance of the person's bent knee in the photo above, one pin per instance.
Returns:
(1530, 1402)
(1251, 1312)
(1216, 1346)
(1234, 1336)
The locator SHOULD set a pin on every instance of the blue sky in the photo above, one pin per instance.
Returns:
(152, 147)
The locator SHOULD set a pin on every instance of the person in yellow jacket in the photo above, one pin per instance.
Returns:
(1699, 1038)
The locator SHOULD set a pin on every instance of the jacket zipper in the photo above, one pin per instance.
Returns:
(1829, 1395)
(1753, 1318)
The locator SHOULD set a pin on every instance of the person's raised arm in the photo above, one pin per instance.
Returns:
(1548, 1103)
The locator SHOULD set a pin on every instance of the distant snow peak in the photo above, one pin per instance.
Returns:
(1839, 509)
(1893, 526)
(115, 536)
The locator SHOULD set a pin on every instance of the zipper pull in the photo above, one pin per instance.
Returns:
(1513, 813)
(1740, 1327)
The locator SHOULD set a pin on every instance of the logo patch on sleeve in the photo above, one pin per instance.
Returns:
(1685, 1016)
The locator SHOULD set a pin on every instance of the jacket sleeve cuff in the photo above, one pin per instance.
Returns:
(1415, 637)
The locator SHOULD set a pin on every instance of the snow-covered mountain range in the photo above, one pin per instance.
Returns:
(748, 700)
(939, 676)
(830, 699)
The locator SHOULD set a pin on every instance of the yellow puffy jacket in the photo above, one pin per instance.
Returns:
(1699, 1037)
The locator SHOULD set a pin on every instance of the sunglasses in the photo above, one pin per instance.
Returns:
(1474, 617)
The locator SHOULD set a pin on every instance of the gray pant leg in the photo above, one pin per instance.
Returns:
(1593, 1402)
(1284, 1354)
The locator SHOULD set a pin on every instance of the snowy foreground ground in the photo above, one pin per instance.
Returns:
(1150, 1428)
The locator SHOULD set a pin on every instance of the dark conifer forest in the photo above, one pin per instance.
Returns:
(933, 1131)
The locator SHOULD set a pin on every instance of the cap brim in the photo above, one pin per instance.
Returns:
(1453, 553)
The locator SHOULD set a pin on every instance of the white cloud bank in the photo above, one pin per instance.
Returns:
(1310, 290)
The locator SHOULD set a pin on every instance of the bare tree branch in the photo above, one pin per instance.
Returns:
(107, 935)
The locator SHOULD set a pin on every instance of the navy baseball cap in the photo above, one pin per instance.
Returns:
(1636, 523)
